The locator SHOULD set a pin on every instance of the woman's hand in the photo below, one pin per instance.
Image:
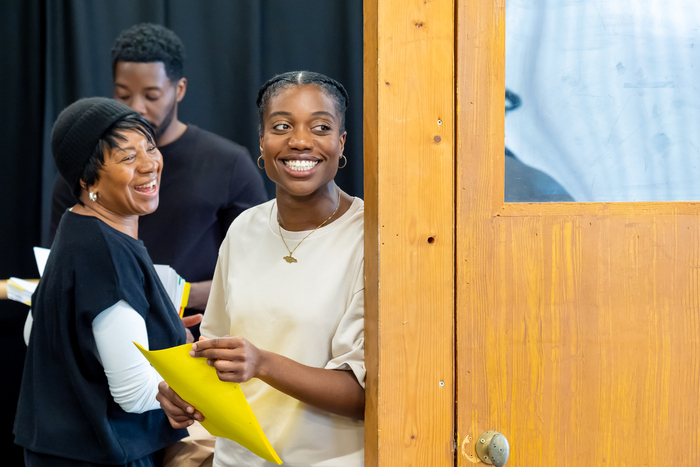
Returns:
(189, 321)
(180, 413)
(235, 359)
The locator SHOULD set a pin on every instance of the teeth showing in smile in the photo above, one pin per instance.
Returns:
(300, 166)
(150, 186)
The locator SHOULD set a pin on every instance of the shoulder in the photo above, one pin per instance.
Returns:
(78, 234)
(359, 205)
(356, 216)
(255, 217)
(249, 227)
(346, 234)
(87, 240)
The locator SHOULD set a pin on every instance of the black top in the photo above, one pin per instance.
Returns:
(207, 182)
(527, 184)
(65, 408)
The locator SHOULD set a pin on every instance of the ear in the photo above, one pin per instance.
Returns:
(342, 141)
(261, 144)
(86, 189)
(180, 89)
(94, 187)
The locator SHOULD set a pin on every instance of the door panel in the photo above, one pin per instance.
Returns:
(578, 325)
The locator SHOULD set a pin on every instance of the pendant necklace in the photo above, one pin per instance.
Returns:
(290, 258)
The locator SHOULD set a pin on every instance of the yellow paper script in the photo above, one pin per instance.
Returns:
(226, 411)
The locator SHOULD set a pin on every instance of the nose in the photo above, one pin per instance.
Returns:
(138, 104)
(150, 162)
(301, 139)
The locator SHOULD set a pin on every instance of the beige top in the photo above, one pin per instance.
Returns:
(311, 311)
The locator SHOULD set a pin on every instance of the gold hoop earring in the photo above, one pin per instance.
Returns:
(263, 166)
(346, 161)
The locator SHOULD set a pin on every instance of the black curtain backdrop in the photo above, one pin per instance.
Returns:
(53, 52)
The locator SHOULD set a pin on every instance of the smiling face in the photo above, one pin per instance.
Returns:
(301, 141)
(129, 180)
(146, 88)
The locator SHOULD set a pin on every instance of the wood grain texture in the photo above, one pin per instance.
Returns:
(409, 233)
(578, 325)
(369, 137)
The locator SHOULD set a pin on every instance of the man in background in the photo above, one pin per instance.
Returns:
(207, 180)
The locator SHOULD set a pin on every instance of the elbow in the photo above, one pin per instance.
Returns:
(350, 404)
(358, 409)
(360, 414)
(135, 402)
(129, 407)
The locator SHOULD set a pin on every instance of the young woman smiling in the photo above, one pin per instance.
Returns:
(289, 284)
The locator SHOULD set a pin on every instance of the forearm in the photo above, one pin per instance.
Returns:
(335, 391)
(199, 294)
(237, 360)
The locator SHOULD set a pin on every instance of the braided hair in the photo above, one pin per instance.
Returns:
(302, 78)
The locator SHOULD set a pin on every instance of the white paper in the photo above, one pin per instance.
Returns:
(20, 290)
(41, 255)
(173, 283)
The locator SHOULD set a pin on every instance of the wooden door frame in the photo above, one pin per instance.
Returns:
(409, 127)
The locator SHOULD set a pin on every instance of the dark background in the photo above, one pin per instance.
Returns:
(53, 52)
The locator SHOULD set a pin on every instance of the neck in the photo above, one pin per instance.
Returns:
(128, 225)
(297, 213)
(174, 131)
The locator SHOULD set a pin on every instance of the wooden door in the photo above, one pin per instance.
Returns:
(577, 325)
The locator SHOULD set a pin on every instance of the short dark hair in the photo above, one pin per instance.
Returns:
(110, 140)
(302, 78)
(147, 42)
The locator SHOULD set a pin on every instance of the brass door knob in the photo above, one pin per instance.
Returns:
(492, 448)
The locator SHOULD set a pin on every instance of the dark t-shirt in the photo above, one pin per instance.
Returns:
(65, 408)
(527, 184)
(207, 182)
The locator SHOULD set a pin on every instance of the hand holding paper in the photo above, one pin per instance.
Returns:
(180, 413)
(235, 359)
(224, 407)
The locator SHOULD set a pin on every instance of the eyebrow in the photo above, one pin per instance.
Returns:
(323, 112)
(150, 88)
(287, 114)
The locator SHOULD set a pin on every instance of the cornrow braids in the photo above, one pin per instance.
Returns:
(302, 78)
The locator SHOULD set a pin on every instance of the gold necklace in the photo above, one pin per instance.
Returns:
(290, 258)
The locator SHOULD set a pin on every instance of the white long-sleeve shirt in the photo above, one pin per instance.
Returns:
(133, 382)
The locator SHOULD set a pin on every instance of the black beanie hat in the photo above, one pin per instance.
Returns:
(77, 131)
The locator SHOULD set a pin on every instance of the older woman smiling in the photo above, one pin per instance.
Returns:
(88, 396)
